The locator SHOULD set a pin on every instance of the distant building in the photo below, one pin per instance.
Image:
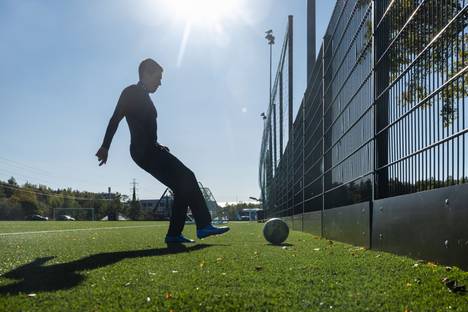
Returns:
(161, 208)
(148, 204)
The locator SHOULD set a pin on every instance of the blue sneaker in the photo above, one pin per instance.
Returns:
(179, 239)
(211, 230)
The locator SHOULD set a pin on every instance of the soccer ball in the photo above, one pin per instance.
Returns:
(275, 231)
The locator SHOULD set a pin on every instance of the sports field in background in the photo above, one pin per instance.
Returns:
(102, 266)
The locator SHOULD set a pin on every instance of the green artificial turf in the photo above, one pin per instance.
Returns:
(131, 269)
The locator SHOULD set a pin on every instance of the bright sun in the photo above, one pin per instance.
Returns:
(203, 11)
(208, 16)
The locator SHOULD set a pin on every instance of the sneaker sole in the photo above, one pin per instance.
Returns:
(216, 234)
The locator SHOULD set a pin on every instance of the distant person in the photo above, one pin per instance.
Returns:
(136, 106)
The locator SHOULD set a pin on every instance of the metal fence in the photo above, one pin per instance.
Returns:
(276, 152)
(420, 91)
(383, 115)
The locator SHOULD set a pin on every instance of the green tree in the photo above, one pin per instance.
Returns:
(27, 201)
(10, 187)
(12, 181)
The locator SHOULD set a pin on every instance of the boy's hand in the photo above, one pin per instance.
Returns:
(102, 155)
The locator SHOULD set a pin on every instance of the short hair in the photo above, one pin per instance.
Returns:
(148, 65)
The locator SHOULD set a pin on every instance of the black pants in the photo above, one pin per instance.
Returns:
(171, 172)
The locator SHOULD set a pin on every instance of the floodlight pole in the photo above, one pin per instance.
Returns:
(272, 109)
(271, 41)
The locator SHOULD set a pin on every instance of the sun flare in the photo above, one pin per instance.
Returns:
(210, 17)
(203, 11)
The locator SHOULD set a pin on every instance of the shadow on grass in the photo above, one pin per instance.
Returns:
(37, 277)
(280, 245)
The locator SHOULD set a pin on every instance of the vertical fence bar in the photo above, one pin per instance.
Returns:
(322, 117)
(290, 100)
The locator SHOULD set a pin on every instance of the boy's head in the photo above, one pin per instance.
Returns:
(150, 73)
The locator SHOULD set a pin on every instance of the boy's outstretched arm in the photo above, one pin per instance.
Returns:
(119, 113)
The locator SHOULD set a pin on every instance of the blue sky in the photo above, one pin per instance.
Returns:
(64, 63)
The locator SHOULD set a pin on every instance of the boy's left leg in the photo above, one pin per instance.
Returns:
(187, 193)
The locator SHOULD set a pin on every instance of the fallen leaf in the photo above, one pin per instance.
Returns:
(432, 264)
(167, 296)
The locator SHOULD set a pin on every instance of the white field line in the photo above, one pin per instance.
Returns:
(87, 229)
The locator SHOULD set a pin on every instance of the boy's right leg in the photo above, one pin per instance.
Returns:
(170, 171)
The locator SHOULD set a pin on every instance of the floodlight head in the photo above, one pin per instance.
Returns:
(269, 36)
(256, 199)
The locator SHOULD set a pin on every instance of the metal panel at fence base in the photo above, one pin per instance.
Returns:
(349, 224)
(313, 222)
(427, 225)
(297, 222)
(289, 222)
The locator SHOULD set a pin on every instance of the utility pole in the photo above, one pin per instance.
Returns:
(134, 189)
(112, 213)
(134, 205)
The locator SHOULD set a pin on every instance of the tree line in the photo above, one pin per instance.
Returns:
(18, 201)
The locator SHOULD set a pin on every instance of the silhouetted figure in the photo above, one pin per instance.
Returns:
(136, 106)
